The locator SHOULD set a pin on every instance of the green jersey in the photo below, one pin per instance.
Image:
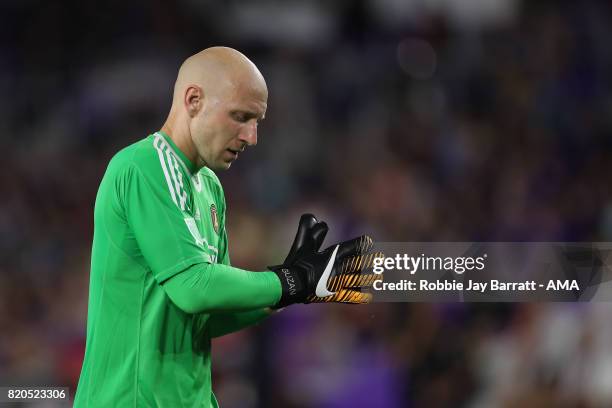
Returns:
(156, 216)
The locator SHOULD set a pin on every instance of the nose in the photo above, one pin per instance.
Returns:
(249, 134)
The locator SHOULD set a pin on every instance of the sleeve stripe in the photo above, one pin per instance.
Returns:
(170, 166)
(160, 153)
(177, 177)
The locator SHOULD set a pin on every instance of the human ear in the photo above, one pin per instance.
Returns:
(194, 98)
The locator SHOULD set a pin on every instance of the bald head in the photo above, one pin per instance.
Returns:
(218, 70)
(219, 98)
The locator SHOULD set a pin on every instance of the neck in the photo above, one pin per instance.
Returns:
(181, 137)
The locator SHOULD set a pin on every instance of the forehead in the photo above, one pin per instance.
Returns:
(248, 95)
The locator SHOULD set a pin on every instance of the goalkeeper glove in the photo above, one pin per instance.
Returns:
(335, 274)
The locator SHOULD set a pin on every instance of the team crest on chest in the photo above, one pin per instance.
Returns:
(214, 217)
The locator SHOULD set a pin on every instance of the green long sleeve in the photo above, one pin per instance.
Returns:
(207, 288)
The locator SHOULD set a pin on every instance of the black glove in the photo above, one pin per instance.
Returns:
(332, 275)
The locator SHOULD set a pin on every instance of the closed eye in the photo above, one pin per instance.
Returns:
(243, 116)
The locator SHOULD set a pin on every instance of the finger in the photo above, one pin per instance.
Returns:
(353, 280)
(358, 263)
(343, 296)
(307, 221)
(318, 232)
(355, 246)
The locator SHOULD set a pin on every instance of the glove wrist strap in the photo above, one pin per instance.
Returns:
(293, 290)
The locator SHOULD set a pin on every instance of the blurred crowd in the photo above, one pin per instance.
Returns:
(422, 120)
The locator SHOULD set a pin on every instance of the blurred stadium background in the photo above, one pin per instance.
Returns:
(414, 120)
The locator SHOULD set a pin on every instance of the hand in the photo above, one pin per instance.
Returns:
(335, 274)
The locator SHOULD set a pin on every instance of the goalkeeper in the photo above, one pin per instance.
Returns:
(161, 284)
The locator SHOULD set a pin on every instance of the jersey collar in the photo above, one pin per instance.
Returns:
(191, 166)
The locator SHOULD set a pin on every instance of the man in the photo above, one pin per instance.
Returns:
(161, 284)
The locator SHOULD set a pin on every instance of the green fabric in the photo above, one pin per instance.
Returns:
(224, 323)
(215, 288)
(157, 223)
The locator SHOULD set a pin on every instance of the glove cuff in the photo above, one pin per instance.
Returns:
(293, 289)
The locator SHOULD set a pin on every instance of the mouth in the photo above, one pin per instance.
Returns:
(234, 153)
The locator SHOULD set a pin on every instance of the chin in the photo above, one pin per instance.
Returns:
(221, 166)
